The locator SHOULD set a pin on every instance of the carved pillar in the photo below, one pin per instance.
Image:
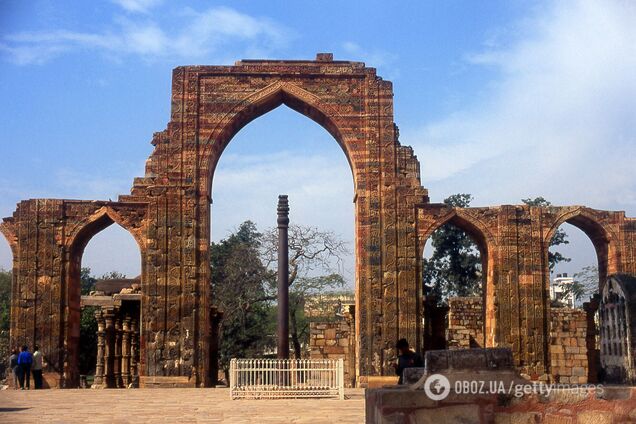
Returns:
(134, 353)
(101, 344)
(109, 318)
(117, 362)
(125, 347)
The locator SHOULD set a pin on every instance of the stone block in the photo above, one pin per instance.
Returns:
(594, 417)
(517, 418)
(557, 419)
(465, 414)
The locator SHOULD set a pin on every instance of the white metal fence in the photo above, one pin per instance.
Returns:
(286, 378)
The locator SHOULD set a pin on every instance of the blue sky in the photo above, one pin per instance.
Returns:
(503, 100)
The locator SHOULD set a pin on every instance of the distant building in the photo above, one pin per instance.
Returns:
(559, 292)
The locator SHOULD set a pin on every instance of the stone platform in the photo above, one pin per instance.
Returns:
(563, 406)
(171, 406)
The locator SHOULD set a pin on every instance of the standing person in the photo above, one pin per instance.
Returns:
(406, 358)
(37, 367)
(25, 359)
(13, 364)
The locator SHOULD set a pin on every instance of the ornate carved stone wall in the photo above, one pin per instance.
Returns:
(168, 213)
(514, 243)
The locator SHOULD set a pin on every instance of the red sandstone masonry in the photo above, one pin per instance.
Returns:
(465, 323)
(568, 345)
(168, 212)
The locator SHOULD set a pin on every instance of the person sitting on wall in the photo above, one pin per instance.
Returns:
(25, 359)
(407, 358)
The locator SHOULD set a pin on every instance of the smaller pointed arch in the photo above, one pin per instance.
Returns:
(462, 219)
(96, 222)
(603, 238)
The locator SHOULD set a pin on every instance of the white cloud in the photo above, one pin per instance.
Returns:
(559, 119)
(137, 6)
(201, 34)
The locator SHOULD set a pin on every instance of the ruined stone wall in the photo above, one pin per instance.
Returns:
(50, 237)
(606, 405)
(568, 345)
(465, 323)
(514, 243)
(334, 340)
(168, 212)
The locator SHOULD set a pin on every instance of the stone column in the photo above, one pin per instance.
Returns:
(283, 277)
(117, 362)
(101, 344)
(134, 353)
(109, 317)
(125, 347)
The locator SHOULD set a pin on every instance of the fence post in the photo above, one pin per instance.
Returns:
(232, 381)
(340, 379)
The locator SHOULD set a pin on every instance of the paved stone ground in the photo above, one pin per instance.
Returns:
(171, 406)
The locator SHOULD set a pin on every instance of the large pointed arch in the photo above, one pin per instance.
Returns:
(263, 101)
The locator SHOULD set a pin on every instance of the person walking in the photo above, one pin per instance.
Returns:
(13, 365)
(37, 367)
(25, 359)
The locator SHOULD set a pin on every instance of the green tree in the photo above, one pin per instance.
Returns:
(585, 284)
(87, 357)
(87, 281)
(559, 237)
(238, 282)
(455, 267)
(315, 262)
(113, 275)
(305, 288)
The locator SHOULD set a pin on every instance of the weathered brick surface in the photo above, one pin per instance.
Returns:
(168, 213)
(334, 340)
(513, 242)
(568, 345)
(465, 323)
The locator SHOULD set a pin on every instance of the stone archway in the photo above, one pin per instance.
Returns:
(209, 105)
(168, 213)
(434, 217)
(77, 240)
(603, 238)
